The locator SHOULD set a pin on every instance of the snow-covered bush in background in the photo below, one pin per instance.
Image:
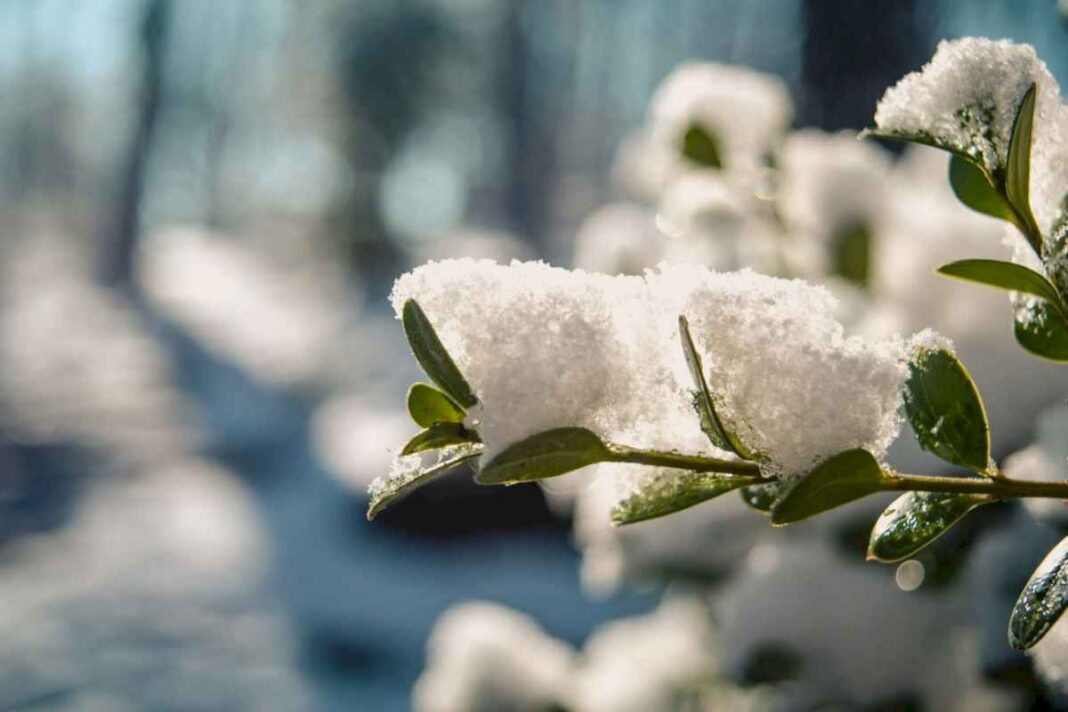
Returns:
(832, 197)
(79, 366)
(908, 648)
(706, 116)
(485, 657)
(288, 318)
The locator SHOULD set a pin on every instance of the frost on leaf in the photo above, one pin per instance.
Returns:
(670, 491)
(412, 471)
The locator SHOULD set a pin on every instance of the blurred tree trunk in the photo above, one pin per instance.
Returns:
(122, 226)
(853, 51)
(525, 190)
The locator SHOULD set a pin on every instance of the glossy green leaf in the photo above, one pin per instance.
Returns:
(945, 410)
(427, 406)
(1042, 600)
(914, 520)
(974, 187)
(1042, 330)
(385, 491)
(1018, 169)
(762, 497)
(851, 254)
(548, 454)
(843, 478)
(699, 145)
(1004, 275)
(432, 356)
(711, 424)
(439, 435)
(674, 491)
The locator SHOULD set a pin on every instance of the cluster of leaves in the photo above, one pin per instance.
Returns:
(942, 404)
(1041, 325)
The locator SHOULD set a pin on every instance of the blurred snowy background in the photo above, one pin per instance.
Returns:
(205, 204)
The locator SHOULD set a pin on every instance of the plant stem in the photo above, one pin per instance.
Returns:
(1000, 487)
(694, 463)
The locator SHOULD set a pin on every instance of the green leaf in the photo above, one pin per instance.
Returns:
(1018, 169)
(852, 254)
(432, 356)
(439, 435)
(1042, 600)
(385, 491)
(711, 424)
(674, 491)
(427, 406)
(762, 497)
(843, 478)
(924, 139)
(699, 145)
(914, 520)
(548, 454)
(945, 410)
(1004, 275)
(1042, 330)
(974, 187)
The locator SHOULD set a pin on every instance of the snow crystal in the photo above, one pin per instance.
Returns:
(966, 99)
(785, 377)
(483, 656)
(930, 340)
(745, 111)
(545, 347)
(538, 344)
